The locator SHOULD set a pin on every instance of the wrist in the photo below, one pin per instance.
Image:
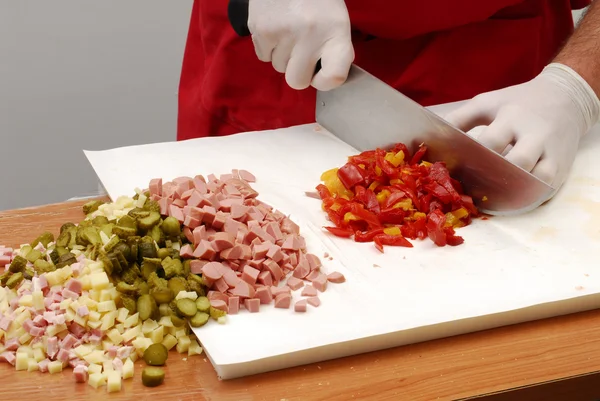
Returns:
(581, 95)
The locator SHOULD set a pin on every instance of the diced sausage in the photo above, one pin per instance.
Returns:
(314, 261)
(217, 295)
(273, 230)
(156, 186)
(289, 227)
(300, 306)
(242, 289)
(314, 301)
(312, 275)
(320, 282)
(264, 294)
(234, 305)
(280, 290)
(227, 203)
(204, 250)
(239, 211)
(336, 277)
(191, 222)
(212, 271)
(230, 278)
(180, 203)
(253, 305)
(196, 266)
(219, 220)
(187, 194)
(221, 285)
(274, 269)
(199, 234)
(292, 242)
(303, 268)
(250, 275)
(309, 291)
(294, 283)
(176, 212)
(186, 251)
(219, 304)
(265, 278)
(275, 253)
(189, 235)
(260, 251)
(283, 301)
(247, 176)
(222, 241)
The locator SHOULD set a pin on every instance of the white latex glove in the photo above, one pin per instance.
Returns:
(542, 119)
(294, 34)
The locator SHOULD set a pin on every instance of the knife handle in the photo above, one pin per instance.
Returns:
(237, 12)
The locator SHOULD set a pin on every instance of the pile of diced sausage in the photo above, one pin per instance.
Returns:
(243, 248)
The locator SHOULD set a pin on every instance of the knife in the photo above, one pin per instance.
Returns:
(366, 113)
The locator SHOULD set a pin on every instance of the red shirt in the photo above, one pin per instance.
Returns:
(434, 51)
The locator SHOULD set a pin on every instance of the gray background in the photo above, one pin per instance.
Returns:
(82, 74)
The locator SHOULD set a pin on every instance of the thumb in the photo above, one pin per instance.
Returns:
(470, 115)
(336, 59)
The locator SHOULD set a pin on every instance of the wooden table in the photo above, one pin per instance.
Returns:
(467, 366)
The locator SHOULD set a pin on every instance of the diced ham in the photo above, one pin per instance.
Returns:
(9, 357)
(80, 373)
(314, 301)
(39, 321)
(66, 293)
(309, 291)
(12, 344)
(294, 283)
(253, 305)
(300, 306)
(124, 352)
(186, 251)
(63, 355)
(336, 277)
(5, 323)
(43, 365)
(112, 351)
(320, 282)
(68, 342)
(52, 347)
(283, 301)
(233, 305)
(117, 364)
(219, 304)
(77, 330)
(197, 199)
(264, 294)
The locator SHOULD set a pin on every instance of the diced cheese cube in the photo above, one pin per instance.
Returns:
(134, 356)
(106, 306)
(69, 315)
(180, 333)
(22, 361)
(113, 383)
(25, 349)
(96, 267)
(4, 305)
(169, 341)
(39, 345)
(2, 334)
(65, 273)
(53, 278)
(65, 303)
(82, 321)
(157, 335)
(86, 283)
(106, 345)
(132, 320)
(222, 319)
(115, 336)
(26, 300)
(38, 354)
(108, 320)
(38, 300)
(107, 366)
(25, 338)
(120, 327)
(32, 365)
(148, 326)
(127, 372)
(55, 367)
(82, 350)
(96, 380)
(74, 304)
(183, 344)
(55, 329)
(132, 333)
(94, 325)
(166, 321)
(96, 356)
(99, 281)
(194, 348)
(141, 343)
(94, 368)
(94, 316)
(87, 301)
(122, 315)
(105, 295)
(22, 316)
(94, 295)
(186, 294)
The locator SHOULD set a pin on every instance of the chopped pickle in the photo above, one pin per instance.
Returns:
(153, 376)
(156, 355)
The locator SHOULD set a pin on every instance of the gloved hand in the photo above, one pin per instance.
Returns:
(294, 34)
(542, 119)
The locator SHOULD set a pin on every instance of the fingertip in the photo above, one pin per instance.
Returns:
(547, 171)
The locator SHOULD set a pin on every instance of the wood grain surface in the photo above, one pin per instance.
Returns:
(447, 369)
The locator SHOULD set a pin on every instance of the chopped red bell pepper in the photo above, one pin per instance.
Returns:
(435, 227)
(350, 175)
(395, 240)
(416, 159)
(340, 232)
(367, 198)
(367, 236)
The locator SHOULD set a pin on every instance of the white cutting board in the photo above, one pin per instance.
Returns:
(509, 270)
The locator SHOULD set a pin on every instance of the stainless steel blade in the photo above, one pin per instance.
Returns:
(367, 114)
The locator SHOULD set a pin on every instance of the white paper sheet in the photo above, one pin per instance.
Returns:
(508, 270)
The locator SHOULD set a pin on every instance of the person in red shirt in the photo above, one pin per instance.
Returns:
(434, 51)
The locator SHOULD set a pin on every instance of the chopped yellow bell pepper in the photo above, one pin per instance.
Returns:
(485, 198)
(405, 204)
(395, 159)
(362, 166)
(383, 195)
(453, 218)
(373, 185)
(326, 176)
(392, 231)
(460, 213)
(419, 215)
(395, 181)
(378, 170)
(349, 217)
(335, 207)
(426, 164)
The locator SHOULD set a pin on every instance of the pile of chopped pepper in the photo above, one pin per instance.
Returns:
(388, 197)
